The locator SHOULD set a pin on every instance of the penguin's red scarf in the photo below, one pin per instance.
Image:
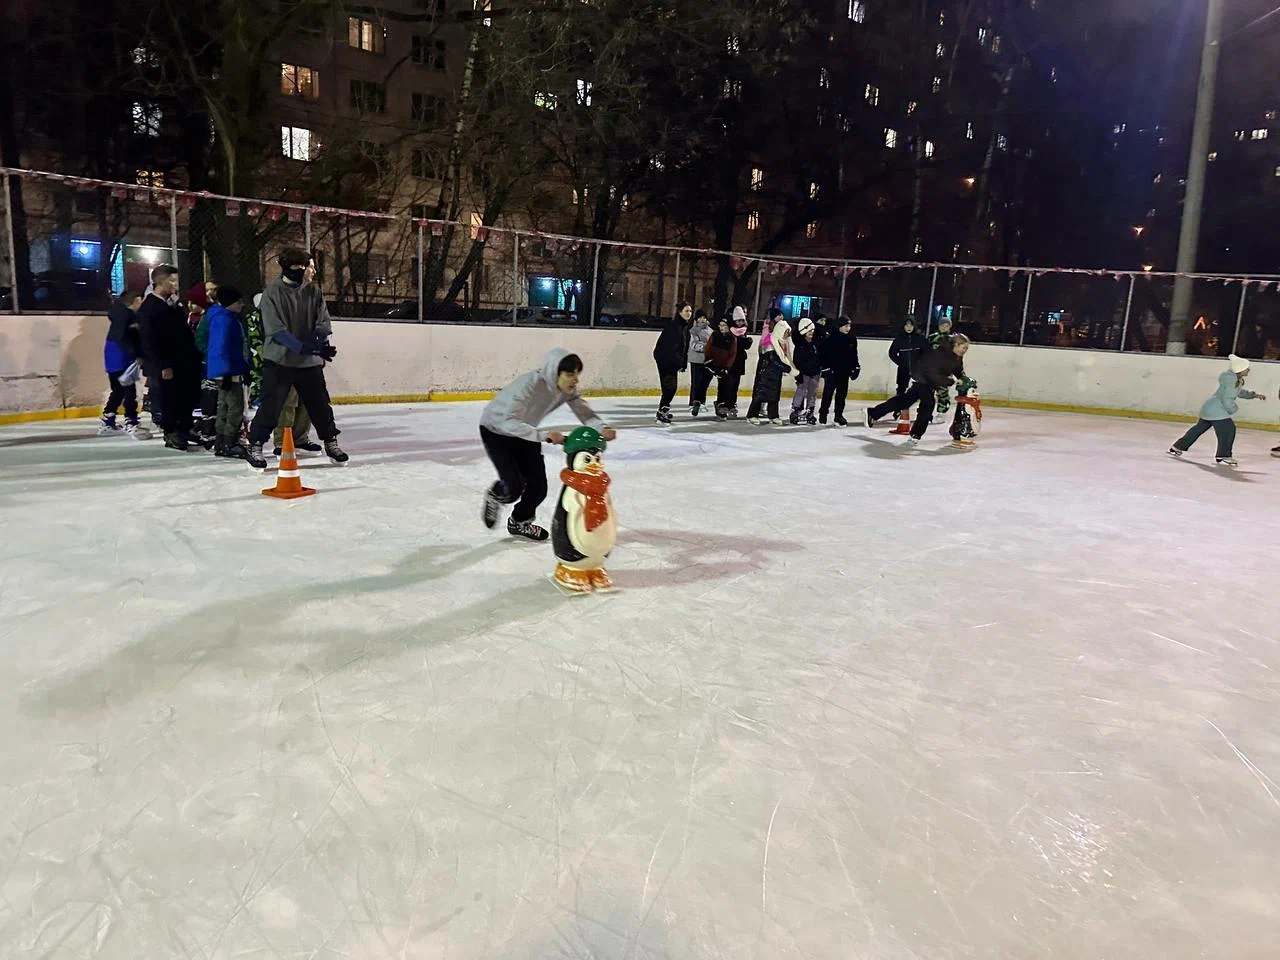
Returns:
(593, 487)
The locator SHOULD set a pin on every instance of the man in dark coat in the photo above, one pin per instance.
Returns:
(173, 363)
(671, 354)
(840, 359)
(940, 367)
(905, 352)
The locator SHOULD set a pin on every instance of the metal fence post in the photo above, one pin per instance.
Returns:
(933, 288)
(422, 275)
(759, 280)
(13, 248)
(1244, 292)
(1026, 305)
(515, 277)
(306, 229)
(1128, 309)
(844, 274)
(595, 281)
(675, 296)
(173, 227)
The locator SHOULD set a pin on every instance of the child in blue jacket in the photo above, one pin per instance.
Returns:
(228, 364)
(123, 346)
(1217, 411)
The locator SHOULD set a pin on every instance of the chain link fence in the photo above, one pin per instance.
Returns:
(76, 243)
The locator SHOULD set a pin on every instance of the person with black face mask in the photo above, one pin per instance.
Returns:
(295, 332)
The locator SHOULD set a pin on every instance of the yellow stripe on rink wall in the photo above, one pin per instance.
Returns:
(442, 396)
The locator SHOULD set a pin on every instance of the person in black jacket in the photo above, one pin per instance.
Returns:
(940, 367)
(170, 349)
(671, 354)
(906, 351)
(840, 360)
(808, 361)
(727, 392)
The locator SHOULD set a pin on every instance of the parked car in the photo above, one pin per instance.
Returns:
(549, 316)
(634, 321)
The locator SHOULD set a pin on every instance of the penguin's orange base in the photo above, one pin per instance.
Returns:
(581, 581)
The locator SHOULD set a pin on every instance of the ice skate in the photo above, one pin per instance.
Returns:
(308, 446)
(722, 413)
(334, 452)
(694, 408)
(230, 450)
(135, 430)
(810, 419)
(107, 426)
(867, 419)
(527, 529)
(913, 441)
(1176, 453)
(176, 441)
(664, 415)
(823, 419)
(492, 507)
(795, 418)
(777, 421)
(1227, 462)
(254, 457)
(733, 415)
(841, 422)
(1275, 451)
(755, 421)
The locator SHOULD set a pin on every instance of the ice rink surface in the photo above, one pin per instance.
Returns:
(1020, 702)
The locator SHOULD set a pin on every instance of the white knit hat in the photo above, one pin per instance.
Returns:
(1238, 364)
(739, 312)
(805, 326)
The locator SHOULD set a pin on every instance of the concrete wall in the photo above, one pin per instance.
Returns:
(55, 362)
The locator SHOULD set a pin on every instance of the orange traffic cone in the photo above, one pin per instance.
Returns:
(904, 423)
(288, 481)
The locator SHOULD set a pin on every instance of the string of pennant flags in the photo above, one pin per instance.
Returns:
(555, 243)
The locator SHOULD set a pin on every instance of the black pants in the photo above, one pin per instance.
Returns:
(921, 393)
(521, 475)
(1225, 429)
(178, 398)
(313, 394)
(668, 382)
(904, 379)
(121, 394)
(835, 385)
(699, 378)
(727, 391)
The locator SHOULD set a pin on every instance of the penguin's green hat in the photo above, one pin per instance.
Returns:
(584, 438)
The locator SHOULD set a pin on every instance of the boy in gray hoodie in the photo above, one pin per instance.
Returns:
(512, 438)
(699, 373)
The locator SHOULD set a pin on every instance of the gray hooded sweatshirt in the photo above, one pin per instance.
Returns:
(517, 410)
(299, 310)
(699, 334)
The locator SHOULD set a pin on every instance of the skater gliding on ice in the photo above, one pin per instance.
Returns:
(939, 368)
(1217, 413)
(513, 440)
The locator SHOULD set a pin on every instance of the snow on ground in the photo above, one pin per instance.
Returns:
(851, 701)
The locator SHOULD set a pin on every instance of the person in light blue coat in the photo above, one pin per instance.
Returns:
(1217, 413)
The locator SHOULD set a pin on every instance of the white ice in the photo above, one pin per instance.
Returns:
(851, 701)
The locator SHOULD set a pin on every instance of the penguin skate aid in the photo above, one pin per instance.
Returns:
(512, 438)
(585, 527)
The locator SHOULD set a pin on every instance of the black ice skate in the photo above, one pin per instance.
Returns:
(492, 507)
(1275, 451)
(334, 452)
(823, 419)
(176, 441)
(695, 408)
(254, 457)
(1175, 452)
(1227, 462)
(664, 415)
(841, 422)
(867, 418)
(527, 529)
(795, 418)
(810, 419)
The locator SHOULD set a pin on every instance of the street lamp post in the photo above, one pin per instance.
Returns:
(1197, 167)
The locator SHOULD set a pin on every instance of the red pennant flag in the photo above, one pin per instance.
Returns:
(189, 201)
(482, 234)
(233, 208)
(275, 214)
(552, 246)
(437, 229)
(254, 210)
(295, 215)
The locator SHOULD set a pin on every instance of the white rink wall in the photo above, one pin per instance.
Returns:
(51, 363)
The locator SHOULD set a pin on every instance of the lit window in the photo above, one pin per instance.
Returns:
(928, 149)
(940, 51)
(1158, 177)
(1260, 134)
(968, 131)
(1213, 155)
(813, 190)
(147, 119)
(983, 32)
(919, 249)
(1240, 134)
(296, 81)
(580, 197)
(857, 10)
(732, 89)
(824, 78)
(911, 304)
(942, 18)
(872, 94)
(753, 220)
(144, 56)
(584, 93)
(366, 35)
(1053, 74)
(1269, 115)
(296, 143)
(657, 163)
(732, 44)
(911, 107)
(937, 84)
(890, 137)
(846, 125)
(1119, 128)
(757, 178)
(1002, 142)
(995, 43)
(148, 178)
(547, 101)
(811, 230)
(1278, 171)
(485, 5)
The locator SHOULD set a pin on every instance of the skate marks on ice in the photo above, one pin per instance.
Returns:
(690, 557)
(903, 449)
(1234, 474)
